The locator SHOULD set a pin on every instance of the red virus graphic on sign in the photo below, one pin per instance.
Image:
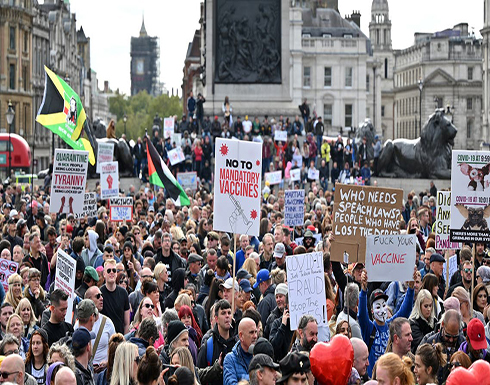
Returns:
(224, 149)
(257, 163)
(253, 214)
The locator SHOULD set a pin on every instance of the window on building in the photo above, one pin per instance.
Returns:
(327, 115)
(12, 76)
(469, 104)
(382, 111)
(469, 128)
(470, 73)
(327, 77)
(26, 41)
(307, 77)
(367, 83)
(348, 115)
(24, 78)
(386, 68)
(12, 38)
(348, 77)
(439, 101)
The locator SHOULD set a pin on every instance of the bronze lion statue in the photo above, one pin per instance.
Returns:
(426, 157)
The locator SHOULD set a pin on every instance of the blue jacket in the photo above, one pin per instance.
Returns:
(141, 344)
(235, 366)
(382, 333)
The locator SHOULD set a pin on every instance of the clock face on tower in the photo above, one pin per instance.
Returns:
(140, 67)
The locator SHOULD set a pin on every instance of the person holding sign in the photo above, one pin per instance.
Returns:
(376, 334)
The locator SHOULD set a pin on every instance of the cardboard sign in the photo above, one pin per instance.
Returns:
(168, 127)
(470, 196)
(89, 206)
(443, 221)
(294, 207)
(238, 176)
(109, 180)
(281, 136)
(306, 287)
(187, 180)
(7, 268)
(65, 279)
(69, 181)
(176, 156)
(274, 177)
(360, 211)
(105, 153)
(390, 257)
(313, 174)
(295, 174)
(121, 209)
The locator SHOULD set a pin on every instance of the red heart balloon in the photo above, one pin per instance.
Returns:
(331, 363)
(478, 373)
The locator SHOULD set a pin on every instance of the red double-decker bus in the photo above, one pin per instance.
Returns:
(20, 151)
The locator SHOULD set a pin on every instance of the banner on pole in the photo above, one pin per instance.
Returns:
(89, 206)
(121, 209)
(65, 279)
(105, 153)
(443, 221)
(109, 180)
(294, 207)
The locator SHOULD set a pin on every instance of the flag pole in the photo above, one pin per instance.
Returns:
(32, 165)
(234, 277)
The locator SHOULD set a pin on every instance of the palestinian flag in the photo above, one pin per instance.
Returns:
(161, 176)
(62, 112)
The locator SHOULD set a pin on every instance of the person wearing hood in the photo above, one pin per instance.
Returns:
(91, 252)
(179, 281)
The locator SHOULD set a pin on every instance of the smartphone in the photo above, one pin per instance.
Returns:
(171, 369)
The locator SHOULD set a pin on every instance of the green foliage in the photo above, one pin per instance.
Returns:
(140, 110)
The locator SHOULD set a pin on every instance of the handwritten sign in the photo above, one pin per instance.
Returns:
(390, 256)
(7, 268)
(443, 221)
(89, 206)
(295, 174)
(65, 279)
(168, 127)
(177, 139)
(121, 209)
(453, 267)
(109, 180)
(313, 174)
(176, 156)
(306, 287)
(360, 211)
(281, 136)
(187, 180)
(105, 153)
(274, 177)
(294, 207)
(470, 196)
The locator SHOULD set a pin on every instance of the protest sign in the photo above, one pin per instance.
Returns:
(176, 156)
(360, 211)
(168, 127)
(281, 136)
(294, 207)
(105, 153)
(443, 215)
(89, 206)
(390, 256)
(306, 287)
(69, 181)
(453, 267)
(7, 268)
(187, 180)
(109, 180)
(121, 209)
(470, 198)
(238, 175)
(295, 174)
(274, 177)
(313, 174)
(65, 279)
(177, 139)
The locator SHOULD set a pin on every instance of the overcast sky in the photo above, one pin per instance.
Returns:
(110, 25)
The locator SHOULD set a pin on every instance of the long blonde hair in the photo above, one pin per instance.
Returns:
(126, 352)
(185, 359)
(22, 304)
(9, 297)
(251, 267)
(417, 312)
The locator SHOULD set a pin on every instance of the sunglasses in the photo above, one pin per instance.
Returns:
(7, 374)
(146, 276)
(98, 295)
(138, 233)
(486, 262)
(468, 270)
(109, 271)
(149, 306)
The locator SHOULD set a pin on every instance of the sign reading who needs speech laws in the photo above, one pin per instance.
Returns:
(109, 180)
(121, 209)
(68, 182)
(470, 196)
(294, 207)
(65, 279)
(238, 176)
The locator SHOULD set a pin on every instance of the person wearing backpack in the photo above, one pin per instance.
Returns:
(220, 342)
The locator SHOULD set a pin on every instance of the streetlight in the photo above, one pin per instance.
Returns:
(421, 87)
(125, 119)
(10, 119)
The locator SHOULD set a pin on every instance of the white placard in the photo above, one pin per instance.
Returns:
(274, 177)
(443, 221)
(7, 268)
(176, 156)
(281, 136)
(69, 181)
(390, 257)
(177, 139)
(294, 207)
(105, 153)
(238, 176)
(306, 287)
(89, 206)
(121, 209)
(313, 174)
(65, 279)
(109, 180)
(453, 266)
(187, 180)
(168, 127)
(295, 174)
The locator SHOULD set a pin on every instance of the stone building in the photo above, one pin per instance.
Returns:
(485, 32)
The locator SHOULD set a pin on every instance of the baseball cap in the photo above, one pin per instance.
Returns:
(279, 250)
(262, 276)
(243, 274)
(476, 334)
(245, 286)
(229, 284)
(92, 273)
(261, 360)
(86, 308)
(377, 294)
(81, 338)
(13, 213)
(437, 258)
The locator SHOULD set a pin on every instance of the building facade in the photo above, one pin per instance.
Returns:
(485, 32)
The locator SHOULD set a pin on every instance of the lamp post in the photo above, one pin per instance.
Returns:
(125, 119)
(421, 87)
(10, 119)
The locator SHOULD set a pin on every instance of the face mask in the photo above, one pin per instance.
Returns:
(379, 310)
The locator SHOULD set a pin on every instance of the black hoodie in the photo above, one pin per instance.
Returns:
(177, 286)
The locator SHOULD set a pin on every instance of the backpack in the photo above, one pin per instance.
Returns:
(209, 351)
